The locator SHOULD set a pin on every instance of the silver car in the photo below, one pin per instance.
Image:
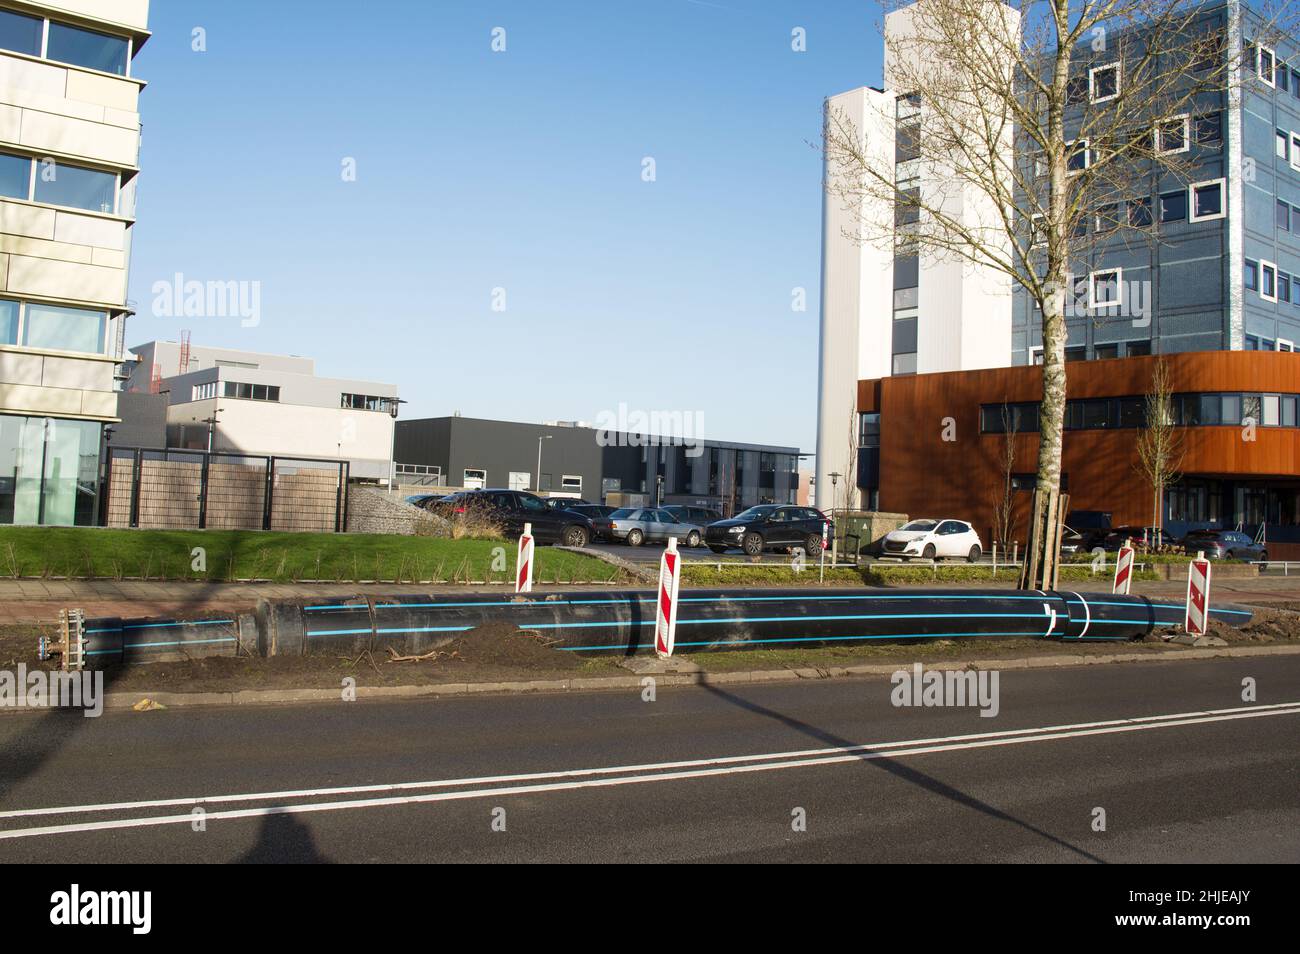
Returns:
(635, 525)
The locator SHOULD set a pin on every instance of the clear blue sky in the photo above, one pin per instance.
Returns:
(519, 170)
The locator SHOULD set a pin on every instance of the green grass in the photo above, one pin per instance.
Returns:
(92, 552)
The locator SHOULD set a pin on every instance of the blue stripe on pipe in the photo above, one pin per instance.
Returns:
(192, 622)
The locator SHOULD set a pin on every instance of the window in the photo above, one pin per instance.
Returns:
(907, 142)
(1139, 213)
(21, 33)
(76, 187)
(1284, 287)
(1107, 218)
(64, 329)
(1036, 355)
(96, 51)
(1174, 134)
(1266, 66)
(571, 483)
(1285, 345)
(8, 321)
(869, 430)
(1295, 151)
(251, 392)
(905, 363)
(1283, 216)
(1105, 288)
(1105, 82)
(1252, 275)
(1252, 343)
(1137, 348)
(1268, 281)
(1173, 207)
(475, 478)
(1207, 200)
(1076, 90)
(1077, 353)
(1209, 129)
(201, 392)
(15, 176)
(1282, 144)
(1103, 351)
(1207, 53)
(1295, 83)
(1078, 158)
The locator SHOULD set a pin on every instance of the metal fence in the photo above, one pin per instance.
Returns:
(156, 488)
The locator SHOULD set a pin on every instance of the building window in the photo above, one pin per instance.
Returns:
(570, 483)
(1283, 216)
(1173, 207)
(76, 187)
(1283, 144)
(1209, 129)
(1285, 345)
(1076, 90)
(201, 392)
(905, 363)
(476, 479)
(8, 321)
(21, 33)
(1103, 351)
(1207, 200)
(1295, 151)
(51, 470)
(1107, 218)
(88, 48)
(64, 329)
(1252, 275)
(1106, 288)
(869, 430)
(366, 402)
(1284, 287)
(251, 392)
(1174, 135)
(1077, 353)
(1105, 82)
(1135, 349)
(1266, 66)
(1139, 213)
(1268, 281)
(1078, 157)
(15, 176)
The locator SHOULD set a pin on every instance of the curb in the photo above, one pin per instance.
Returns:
(125, 700)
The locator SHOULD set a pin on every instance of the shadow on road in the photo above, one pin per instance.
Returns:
(900, 770)
(283, 839)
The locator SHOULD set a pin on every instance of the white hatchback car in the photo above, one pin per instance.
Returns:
(934, 540)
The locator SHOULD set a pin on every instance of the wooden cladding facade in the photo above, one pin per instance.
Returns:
(935, 462)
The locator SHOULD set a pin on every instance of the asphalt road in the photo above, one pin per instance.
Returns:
(603, 777)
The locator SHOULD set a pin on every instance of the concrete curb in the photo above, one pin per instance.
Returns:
(125, 700)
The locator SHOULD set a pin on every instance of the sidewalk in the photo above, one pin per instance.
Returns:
(28, 602)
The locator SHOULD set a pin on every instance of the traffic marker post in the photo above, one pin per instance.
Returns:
(826, 529)
(1198, 596)
(524, 561)
(1123, 570)
(670, 581)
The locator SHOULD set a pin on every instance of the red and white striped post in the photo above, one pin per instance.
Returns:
(826, 531)
(524, 561)
(1123, 570)
(670, 581)
(1198, 596)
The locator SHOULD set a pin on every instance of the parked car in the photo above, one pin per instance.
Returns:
(1142, 538)
(512, 509)
(768, 527)
(688, 514)
(598, 514)
(934, 540)
(416, 500)
(567, 503)
(1072, 541)
(1091, 525)
(636, 525)
(1225, 545)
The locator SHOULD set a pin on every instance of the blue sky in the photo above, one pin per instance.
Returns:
(519, 170)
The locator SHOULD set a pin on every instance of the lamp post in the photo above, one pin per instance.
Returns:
(393, 402)
(835, 541)
(544, 437)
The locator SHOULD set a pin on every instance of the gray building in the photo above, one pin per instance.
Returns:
(592, 463)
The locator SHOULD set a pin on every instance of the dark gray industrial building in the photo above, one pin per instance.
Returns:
(594, 464)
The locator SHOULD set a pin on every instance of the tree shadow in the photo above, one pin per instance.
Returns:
(900, 770)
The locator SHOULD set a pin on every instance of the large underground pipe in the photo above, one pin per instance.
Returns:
(622, 622)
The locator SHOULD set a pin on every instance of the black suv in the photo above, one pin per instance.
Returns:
(768, 527)
(702, 516)
(512, 509)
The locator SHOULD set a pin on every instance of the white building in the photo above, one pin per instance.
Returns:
(884, 312)
(265, 404)
(69, 154)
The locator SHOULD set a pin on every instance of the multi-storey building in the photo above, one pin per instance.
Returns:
(1208, 260)
(69, 157)
(265, 404)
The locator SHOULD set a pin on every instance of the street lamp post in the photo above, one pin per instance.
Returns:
(392, 448)
(544, 437)
(835, 541)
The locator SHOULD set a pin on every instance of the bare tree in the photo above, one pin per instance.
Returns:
(1160, 444)
(851, 468)
(1004, 505)
(1028, 138)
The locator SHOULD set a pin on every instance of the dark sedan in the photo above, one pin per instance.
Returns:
(769, 527)
(1225, 545)
(511, 509)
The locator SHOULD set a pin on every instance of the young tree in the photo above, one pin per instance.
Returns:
(1160, 444)
(1004, 504)
(1039, 132)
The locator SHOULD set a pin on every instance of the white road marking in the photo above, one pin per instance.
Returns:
(697, 768)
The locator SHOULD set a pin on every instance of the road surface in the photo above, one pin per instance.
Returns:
(716, 774)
